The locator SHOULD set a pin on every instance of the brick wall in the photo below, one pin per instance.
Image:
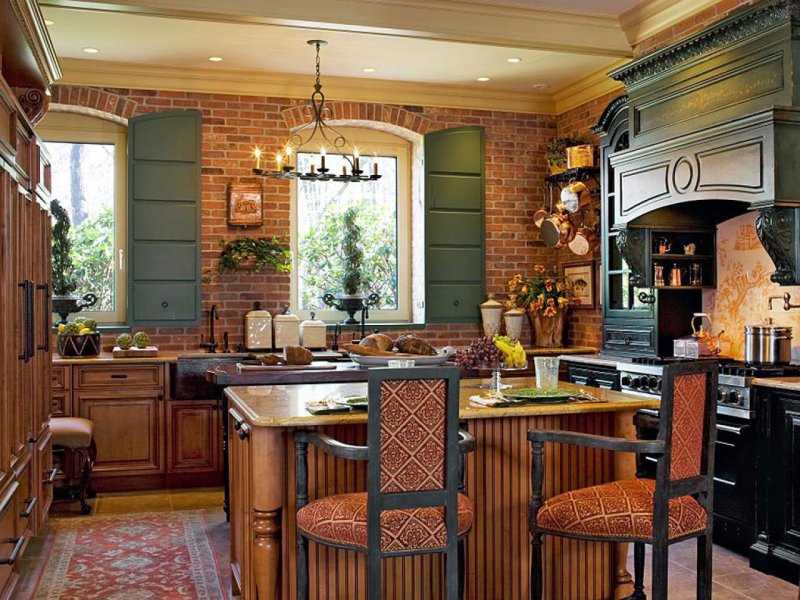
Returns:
(233, 125)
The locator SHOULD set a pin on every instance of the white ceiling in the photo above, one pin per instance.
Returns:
(131, 38)
(598, 7)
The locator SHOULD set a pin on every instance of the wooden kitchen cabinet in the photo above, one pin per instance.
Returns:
(193, 436)
(128, 426)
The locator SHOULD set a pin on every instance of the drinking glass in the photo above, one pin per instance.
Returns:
(546, 372)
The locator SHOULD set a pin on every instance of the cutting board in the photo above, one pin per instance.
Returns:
(149, 352)
(317, 366)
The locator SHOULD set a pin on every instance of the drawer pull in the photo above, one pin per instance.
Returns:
(119, 376)
(164, 304)
(50, 479)
(628, 340)
(25, 514)
(18, 544)
(455, 302)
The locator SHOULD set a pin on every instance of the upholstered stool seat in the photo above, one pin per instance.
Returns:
(342, 520)
(620, 509)
(72, 432)
(76, 436)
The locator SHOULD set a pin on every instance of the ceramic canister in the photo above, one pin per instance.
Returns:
(492, 316)
(258, 328)
(513, 320)
(287, 329)
(313, 333)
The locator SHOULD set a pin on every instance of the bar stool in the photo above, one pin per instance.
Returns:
(76, 436)
(414, 457)
(674, 507)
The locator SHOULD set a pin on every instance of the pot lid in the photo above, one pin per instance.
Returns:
(514, 312)
(285, 316)
(785, 329)
(258, 311)
(491, 304)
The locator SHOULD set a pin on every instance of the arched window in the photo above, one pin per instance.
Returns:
(89, 179)
(383, 212)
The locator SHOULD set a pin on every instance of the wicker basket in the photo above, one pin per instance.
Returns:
(78, 346)
(580, 156)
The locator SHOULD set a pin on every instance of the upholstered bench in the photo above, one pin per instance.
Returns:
(76, 436)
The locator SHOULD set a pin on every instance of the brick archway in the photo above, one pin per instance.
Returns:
(94, 102)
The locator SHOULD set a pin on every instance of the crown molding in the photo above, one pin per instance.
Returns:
(653, 16)
(589, 87)
(29, 16)
(466, 21)
(97, 73)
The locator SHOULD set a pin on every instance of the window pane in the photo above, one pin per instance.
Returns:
(319, 226)
(83, 182)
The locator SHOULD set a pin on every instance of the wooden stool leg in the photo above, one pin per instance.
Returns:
(86, 473)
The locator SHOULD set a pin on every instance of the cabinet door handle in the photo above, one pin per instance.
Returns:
(25, 514)
(50, 479)
(18, 544)
(27, 320)
(244, 431)
(46, 312)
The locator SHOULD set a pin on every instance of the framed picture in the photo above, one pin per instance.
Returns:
(581, 277)
(245, 207)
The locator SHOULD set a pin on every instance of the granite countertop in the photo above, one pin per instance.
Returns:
(591, 359)
(284, 406)
(779, 383)
(107, 358)
(539, 351)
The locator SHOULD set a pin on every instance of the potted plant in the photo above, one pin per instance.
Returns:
(351, 299)
(556, 153)
(253, 255)
(63, 275)
(546, 299)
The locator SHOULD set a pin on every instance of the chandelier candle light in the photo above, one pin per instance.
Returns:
(316, 131)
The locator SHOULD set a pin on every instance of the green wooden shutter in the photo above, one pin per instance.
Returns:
(164, 218)
(455, 254)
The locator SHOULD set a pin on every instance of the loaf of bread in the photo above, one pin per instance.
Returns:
(379, 341)
(411, 344)
(269, 359)
(366, 351)
(297, 355)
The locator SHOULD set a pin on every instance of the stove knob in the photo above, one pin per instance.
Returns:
(658, 387)
(720, 396)
(652, 382)
(637, 381)
(626, 380)
(735, 397)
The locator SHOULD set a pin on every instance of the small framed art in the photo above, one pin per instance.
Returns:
(581, 278)
(245, 207)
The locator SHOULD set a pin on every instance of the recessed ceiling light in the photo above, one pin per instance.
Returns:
(48, 22)
(514, 60)
(484, 78)
(91, 50)
(215, 58)
(369, 69)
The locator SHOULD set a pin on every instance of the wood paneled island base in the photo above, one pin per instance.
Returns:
(263, 418)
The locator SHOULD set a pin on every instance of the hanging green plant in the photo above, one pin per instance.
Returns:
(253, 255)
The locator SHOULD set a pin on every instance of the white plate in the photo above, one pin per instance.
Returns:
(419, 360)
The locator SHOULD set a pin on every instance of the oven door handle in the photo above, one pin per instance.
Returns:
(731, 428)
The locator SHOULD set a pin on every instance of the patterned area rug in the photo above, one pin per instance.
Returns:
(148, 556)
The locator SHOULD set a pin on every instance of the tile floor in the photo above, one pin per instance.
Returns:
(733, 579)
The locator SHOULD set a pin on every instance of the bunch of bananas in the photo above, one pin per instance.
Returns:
(513, 354)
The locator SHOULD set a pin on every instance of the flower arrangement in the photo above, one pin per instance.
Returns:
(540, 292)
(254, 254)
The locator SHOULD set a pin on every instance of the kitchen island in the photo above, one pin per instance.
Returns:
(262, 475)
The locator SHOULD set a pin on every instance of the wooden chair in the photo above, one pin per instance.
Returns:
(413, 503)
(674, 507)
(76, 436)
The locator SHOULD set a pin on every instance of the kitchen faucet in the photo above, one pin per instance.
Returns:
(213, 315)
(787, 304)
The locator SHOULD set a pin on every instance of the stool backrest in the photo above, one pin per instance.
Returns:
(688, 426)
(412, 434)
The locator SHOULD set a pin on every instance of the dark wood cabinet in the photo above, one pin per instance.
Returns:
(777, 546)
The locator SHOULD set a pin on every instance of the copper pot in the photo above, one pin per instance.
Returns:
(540, 215)
(557, 230)
(585, 240)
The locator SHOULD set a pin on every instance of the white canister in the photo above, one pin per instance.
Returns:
(492, 316)
(258, 328)
(287, 329)
(513, 320)
(313, 333)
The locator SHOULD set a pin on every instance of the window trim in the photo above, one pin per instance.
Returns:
(370, 141)
(64, 127)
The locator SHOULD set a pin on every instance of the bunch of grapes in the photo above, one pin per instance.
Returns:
(481, 352)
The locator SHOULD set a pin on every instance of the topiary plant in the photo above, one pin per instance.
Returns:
(352, 279)
(64, 280)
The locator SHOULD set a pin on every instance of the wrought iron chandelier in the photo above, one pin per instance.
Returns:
(317, 131)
